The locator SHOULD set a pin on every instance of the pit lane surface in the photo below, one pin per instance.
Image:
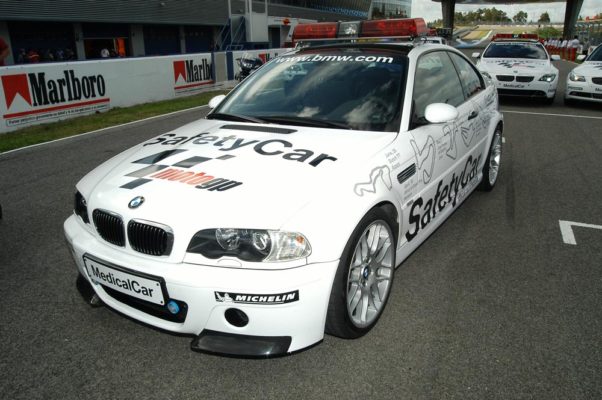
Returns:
(493, 306)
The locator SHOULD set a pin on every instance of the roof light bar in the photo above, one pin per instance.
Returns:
(401, 27)
(320, 30)
(501, 36)
(349, 29)
(394, 27)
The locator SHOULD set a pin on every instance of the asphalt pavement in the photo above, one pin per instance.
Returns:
(494, 305)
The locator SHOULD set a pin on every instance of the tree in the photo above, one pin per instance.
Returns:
(545, 18)
(520, 17)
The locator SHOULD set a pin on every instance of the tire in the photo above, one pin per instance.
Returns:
(364, 278)
(491, 169)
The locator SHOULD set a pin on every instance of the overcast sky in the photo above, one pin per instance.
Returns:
(431, 11)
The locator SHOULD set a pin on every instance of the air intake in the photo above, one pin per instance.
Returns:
(109, 226)
(505, 78)
(524, 78)
(150, 238)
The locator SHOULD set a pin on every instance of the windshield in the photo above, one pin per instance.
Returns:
(533, 51)
(596, 54)
(344, 88)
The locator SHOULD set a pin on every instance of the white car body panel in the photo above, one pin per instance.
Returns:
(588, 90)
(319, 182)
(527, 70)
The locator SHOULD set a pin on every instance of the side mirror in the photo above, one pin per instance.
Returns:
(437, 113)
(555, 57)
(476, 55)
(581, 57)
(214, 102)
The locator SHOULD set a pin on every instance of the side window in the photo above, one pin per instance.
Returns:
(436, 81)
(471, 81)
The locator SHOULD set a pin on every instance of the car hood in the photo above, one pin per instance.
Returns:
(222, 174)
(514, 66)
(589, 68)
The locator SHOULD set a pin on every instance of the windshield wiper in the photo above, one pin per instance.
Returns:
(304, 121)
(234, 117)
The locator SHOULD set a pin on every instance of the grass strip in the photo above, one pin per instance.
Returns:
(75, 126)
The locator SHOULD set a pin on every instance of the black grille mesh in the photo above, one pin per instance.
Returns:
(109, 227)
(149, 239)
(597, 81)
(524, 78)
(505, 78)
(520, 92)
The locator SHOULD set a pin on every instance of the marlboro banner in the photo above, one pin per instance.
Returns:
(34, 94)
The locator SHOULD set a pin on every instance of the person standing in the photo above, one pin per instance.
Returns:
(3, 52)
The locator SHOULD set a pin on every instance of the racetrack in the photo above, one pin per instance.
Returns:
(493, 306)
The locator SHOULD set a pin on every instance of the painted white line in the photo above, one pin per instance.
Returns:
(551, 115)
(503, 140)
(105, 129)
(567, 231)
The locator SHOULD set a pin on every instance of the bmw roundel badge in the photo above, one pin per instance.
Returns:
(136, 202)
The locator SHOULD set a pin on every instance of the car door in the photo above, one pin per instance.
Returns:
(479, 105)
(438, 148)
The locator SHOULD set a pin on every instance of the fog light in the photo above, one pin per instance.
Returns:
(173, 307)
(236, 317)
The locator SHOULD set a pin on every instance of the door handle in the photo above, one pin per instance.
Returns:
(473, 115)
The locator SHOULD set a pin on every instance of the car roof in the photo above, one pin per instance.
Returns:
(515, 41)
(403, 48)
(399, 47)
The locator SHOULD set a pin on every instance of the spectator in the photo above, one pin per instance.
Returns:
(3, 51)
(575, 43)
(564, 44)
(59, 55)
(48, 56)
(69, 54)
(104, 53)
(22, 57)
(33, 56)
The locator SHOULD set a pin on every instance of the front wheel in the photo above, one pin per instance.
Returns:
(491, 169)
(364, 277)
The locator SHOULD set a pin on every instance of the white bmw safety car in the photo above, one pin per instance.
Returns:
(283, 214)
(520, 67)
(585, 81)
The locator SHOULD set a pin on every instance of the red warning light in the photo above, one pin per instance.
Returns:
(320, 30)
(394, 27)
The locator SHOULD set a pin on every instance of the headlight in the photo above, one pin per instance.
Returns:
(576, 78)
(81, 207)
(548, 77)
(485, 74)
(256, 245)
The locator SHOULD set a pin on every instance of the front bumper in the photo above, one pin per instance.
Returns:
(587, 91)
(534, 88)
(199, 292)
